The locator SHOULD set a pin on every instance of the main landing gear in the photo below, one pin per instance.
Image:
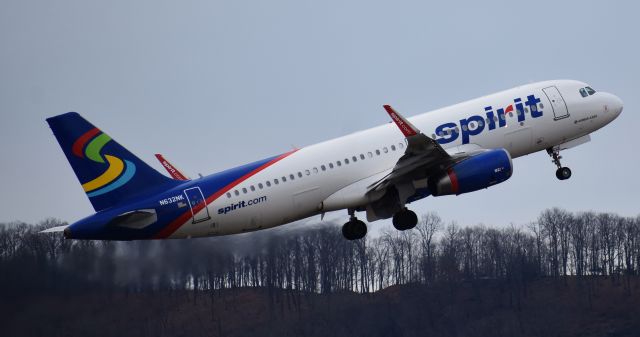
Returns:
(405, 219)
(562, 173)
(354, 229)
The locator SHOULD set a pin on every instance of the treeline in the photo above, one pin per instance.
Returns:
(317, 259)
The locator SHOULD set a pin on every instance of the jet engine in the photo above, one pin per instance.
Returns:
(477, 172)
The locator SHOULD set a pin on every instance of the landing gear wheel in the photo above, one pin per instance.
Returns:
(563, 173)
(405, 219)
(354, 229)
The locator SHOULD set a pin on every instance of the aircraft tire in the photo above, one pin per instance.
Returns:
(354, 230)
(563, 173)
(405, 219)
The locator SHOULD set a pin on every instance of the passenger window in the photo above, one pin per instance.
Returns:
(268, 183)
(330, 165)
(370, 154)
(378, 151)
(252, 188)
(346, 161)
(339, 163)
(400, 145)
(322, 167)
(276, 181)
(244, 190)
(228, 195)
(236, 192)
(307, 172)
(393, 147)
(534, 108)
(291, 176)
(385, 150)
(354, 159)
(361, 156)
(315, 170)
(590, 91)
(299, 174)
(260, 186)
(465, 128)
(284, 179)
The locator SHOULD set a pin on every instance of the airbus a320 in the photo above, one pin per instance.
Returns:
(377, 172)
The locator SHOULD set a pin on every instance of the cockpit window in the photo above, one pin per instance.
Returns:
(590, 91)
(583, 92)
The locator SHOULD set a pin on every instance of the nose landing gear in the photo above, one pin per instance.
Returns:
(562, 173)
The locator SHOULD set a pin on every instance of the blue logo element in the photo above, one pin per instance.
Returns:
(476, 124)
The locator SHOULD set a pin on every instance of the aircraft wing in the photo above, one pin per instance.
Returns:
(422, 157)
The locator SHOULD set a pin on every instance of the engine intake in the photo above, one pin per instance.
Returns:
(477, 172)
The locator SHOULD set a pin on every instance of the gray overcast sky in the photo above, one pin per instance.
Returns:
(216, 84)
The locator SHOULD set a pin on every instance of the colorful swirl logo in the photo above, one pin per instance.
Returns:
(117, 174)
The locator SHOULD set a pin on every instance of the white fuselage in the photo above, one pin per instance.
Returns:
(333, 175)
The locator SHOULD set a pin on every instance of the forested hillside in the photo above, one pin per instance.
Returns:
(562, 274)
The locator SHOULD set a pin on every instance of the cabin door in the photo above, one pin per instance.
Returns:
(197, 203)
(558, 105)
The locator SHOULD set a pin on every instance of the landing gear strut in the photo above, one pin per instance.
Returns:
(562, 173)
(354, 229)
(405, 219)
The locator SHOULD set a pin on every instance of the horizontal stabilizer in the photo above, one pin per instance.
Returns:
(55, 229)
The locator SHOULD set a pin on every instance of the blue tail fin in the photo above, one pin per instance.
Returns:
(108, 172)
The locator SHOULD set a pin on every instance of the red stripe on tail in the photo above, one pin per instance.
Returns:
(78, 145)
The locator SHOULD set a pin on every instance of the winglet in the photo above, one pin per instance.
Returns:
(405, 126)
(173, 171)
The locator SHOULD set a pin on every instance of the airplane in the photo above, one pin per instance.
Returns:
(380, 171)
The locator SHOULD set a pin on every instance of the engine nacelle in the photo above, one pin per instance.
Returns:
(480, 171)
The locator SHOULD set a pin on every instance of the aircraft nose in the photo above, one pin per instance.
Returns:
(618, 104)
(614, 104)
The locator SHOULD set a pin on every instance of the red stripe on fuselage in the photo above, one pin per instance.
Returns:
(175, 224)
(78, 145)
